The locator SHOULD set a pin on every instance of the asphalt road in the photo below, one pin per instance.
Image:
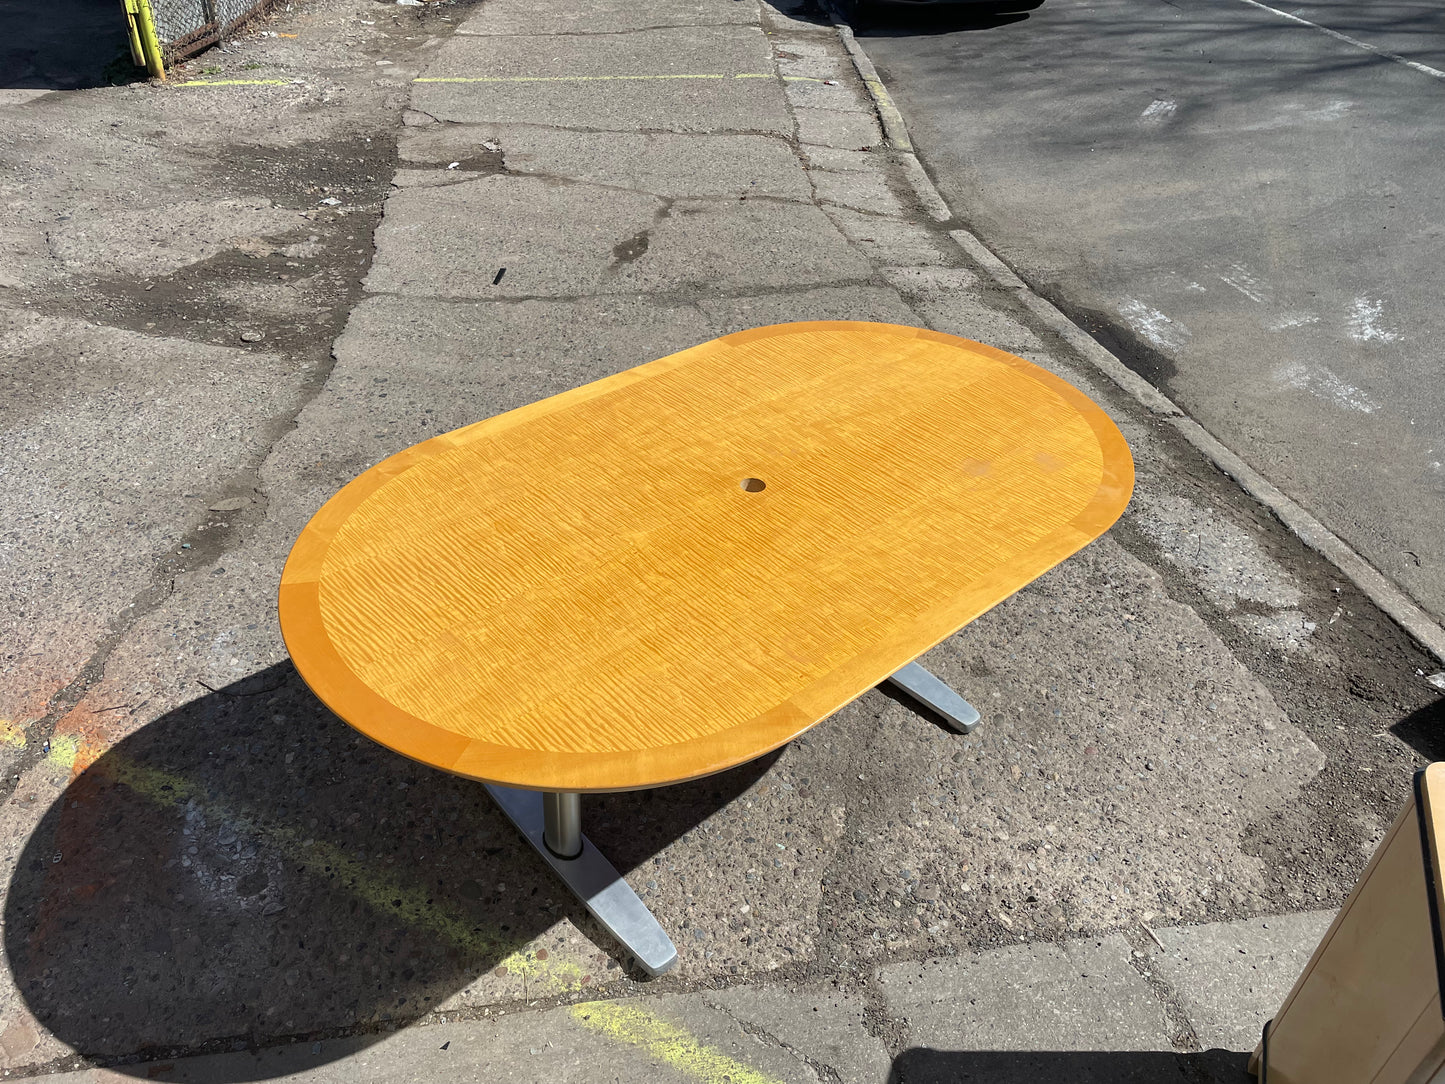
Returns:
(1247, 208)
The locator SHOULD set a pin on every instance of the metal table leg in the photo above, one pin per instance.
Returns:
(929, 691)
(552, 823)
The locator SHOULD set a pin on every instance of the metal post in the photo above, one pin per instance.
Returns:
(137, 53)
(150, 44)
(562, 823)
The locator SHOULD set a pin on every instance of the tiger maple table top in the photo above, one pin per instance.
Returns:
(676, 569)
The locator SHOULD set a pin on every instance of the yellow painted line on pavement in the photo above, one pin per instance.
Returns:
(12, 735)
(386, 895)
(64, 748)
(666, 1042)
(235, 83)
(504, 79)
(577, 78)
(889, 111)
(63, 751)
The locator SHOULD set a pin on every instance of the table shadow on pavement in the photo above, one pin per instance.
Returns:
(920, 1065)
(247, 868)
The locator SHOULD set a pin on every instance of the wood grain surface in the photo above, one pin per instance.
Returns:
(594, 592)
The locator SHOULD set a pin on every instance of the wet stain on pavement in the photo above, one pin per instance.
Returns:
(633, 248)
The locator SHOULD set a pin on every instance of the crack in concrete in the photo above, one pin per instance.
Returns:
(448, 183)
(822, 1070)
(563, 180)
(167, 566)
(876, 1020)
(685, 294)
(718, 133)
(1182, 1035)
(41, 733)
(465, 33)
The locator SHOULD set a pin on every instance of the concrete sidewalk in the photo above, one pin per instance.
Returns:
(1186, 726)
(1092, 1010)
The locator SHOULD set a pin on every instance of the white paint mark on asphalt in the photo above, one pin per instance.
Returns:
(1163, 332)
(1226, 561)
(1159, 109)
(1240, 278)
(1364, 322)
(1356, 42)
(1293, 319)
(1333, 111)
(1287, 631)
(1320, 382)
(1293, 113)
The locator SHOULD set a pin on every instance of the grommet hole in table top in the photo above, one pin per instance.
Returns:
(753, 485)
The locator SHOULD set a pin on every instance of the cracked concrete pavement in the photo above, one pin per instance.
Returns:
(1194, 727)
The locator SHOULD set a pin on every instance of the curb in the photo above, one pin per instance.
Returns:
(893, 126)
(1405, 612)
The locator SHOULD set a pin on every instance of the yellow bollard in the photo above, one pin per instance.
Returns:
(133, 33)
(150, 45)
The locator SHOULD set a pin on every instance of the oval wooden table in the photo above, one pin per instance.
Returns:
(679, 568)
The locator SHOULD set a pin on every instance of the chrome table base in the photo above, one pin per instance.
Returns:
(932, 693)
(552, 823)
(597, 884)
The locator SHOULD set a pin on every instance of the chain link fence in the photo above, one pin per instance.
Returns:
(164, 31)
(188, 26)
